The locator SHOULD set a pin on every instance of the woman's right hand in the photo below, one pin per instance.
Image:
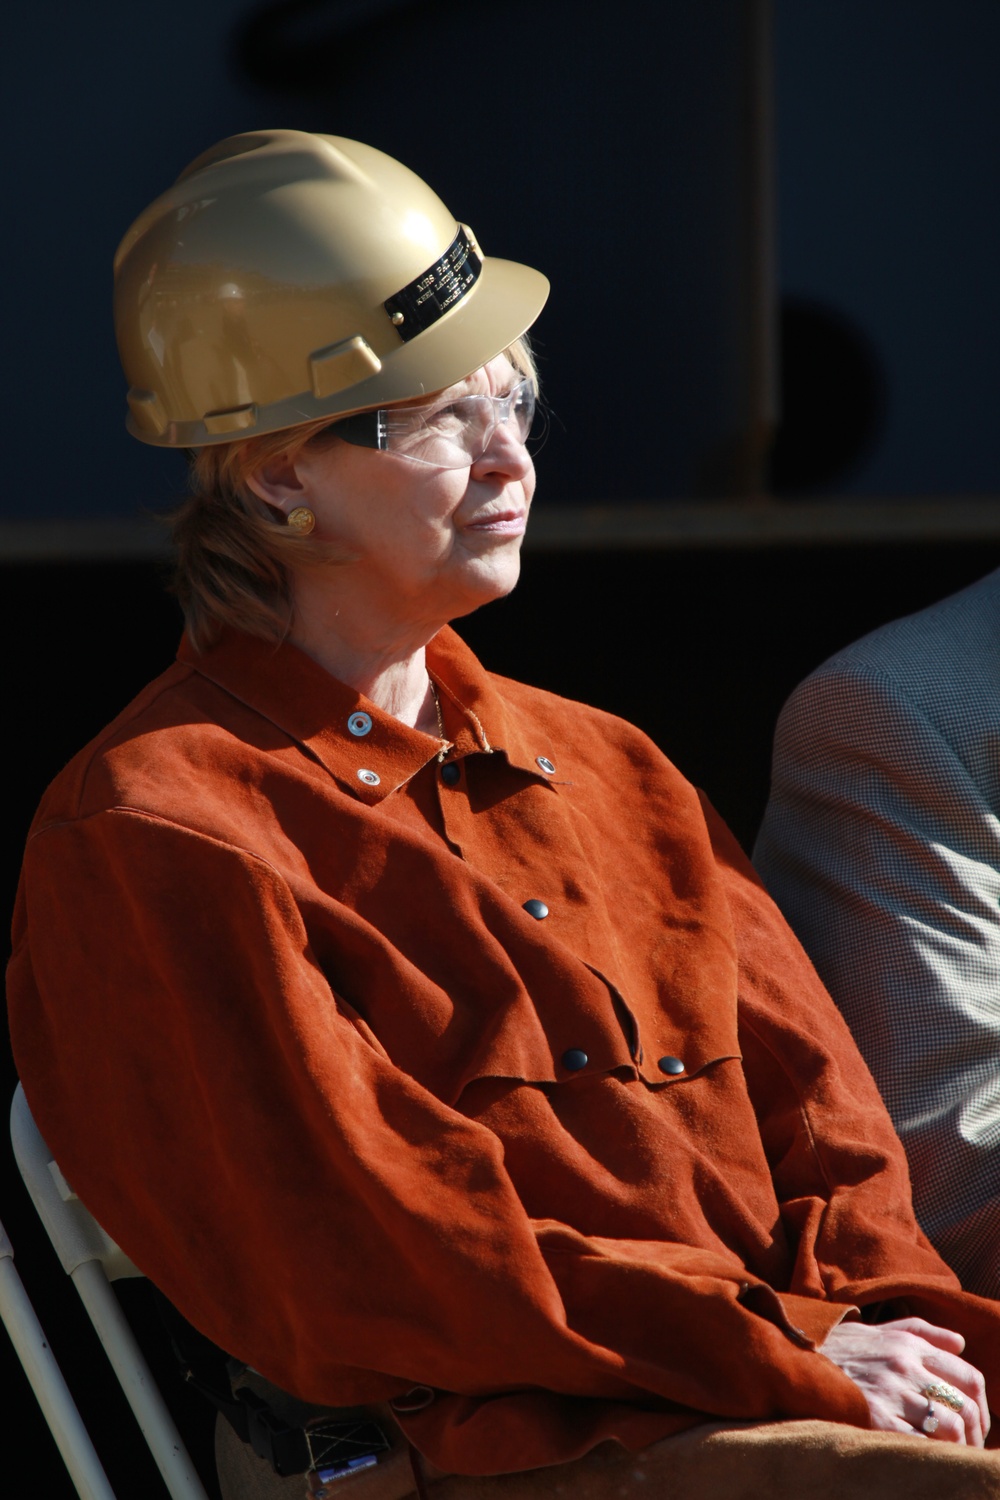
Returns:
(892, 1362)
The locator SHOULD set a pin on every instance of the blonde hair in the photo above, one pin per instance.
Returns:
(234, 553)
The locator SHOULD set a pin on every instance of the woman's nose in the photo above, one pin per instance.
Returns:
(505, 455)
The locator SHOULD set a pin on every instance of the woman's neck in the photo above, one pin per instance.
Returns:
(387, 665)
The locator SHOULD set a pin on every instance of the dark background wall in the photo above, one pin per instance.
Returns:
(610, 146)
(888, 142)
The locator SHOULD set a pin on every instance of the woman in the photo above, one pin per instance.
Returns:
(420, 1034)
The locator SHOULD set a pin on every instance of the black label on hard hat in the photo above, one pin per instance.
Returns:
(431, 295)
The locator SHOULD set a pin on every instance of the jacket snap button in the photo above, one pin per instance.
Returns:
(536, 909)
(575, 1059)
(450, 773)
(670, 1065)
(546, 764)
(359, 724)
(370, 778)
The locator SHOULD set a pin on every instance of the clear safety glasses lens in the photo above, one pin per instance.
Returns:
(446, 434)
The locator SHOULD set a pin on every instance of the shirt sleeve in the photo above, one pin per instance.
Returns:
(303, 1200)
(885, 858)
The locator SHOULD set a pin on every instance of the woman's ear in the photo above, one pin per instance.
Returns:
(277, 482)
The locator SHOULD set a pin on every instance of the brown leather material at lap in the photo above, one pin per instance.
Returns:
(768, 1461)
(717, 1461)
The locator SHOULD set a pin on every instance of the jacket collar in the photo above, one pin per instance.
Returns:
(304, 701)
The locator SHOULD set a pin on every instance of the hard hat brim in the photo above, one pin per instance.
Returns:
(501, 306)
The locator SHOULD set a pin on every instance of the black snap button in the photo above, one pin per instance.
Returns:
(451, 775)
(536, 909)
(575, 1059)
(670, 1065)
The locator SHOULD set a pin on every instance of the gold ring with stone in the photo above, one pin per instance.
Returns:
(939, 1390)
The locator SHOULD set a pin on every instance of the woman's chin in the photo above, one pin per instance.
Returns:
(486, 578)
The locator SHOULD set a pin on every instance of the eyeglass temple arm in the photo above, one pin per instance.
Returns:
(365, 429)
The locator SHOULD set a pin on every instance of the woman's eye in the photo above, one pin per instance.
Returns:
(448, 418)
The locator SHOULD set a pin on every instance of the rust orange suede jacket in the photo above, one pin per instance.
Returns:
(500, 1074)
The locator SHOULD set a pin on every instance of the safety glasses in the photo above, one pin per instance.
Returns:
(446, 433)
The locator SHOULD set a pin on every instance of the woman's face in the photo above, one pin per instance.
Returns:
(426, 543)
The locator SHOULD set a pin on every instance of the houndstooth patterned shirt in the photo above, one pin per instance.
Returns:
(881, 844)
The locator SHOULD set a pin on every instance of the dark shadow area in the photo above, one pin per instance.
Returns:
(314, 46)
(834, 400)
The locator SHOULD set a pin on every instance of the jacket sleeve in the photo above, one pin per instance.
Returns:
(838, 1168)
(879, 848)
(300, 1198)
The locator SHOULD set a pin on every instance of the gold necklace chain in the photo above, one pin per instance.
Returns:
(440, 718)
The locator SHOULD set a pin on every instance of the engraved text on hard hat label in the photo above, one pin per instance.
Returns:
(434, 291)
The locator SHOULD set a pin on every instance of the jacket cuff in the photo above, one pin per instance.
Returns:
(805, 1320)
(808, 1320)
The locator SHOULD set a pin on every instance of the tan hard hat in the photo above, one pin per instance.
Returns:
(288, 276)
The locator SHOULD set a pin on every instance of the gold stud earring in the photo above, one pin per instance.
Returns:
(301, 520)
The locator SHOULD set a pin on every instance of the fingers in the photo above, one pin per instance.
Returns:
(975, 1413)
(973, 1422)
(942, 1425)
(941, 1338)
(930, 1419)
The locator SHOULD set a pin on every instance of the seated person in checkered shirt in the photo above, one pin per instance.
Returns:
(881, 844)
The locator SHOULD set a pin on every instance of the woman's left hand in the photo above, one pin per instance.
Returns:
(893, 1363)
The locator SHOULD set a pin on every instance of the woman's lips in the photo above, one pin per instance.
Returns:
(501, 523)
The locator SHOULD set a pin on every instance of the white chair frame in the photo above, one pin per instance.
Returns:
(47, 1382)
(93, 1261)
